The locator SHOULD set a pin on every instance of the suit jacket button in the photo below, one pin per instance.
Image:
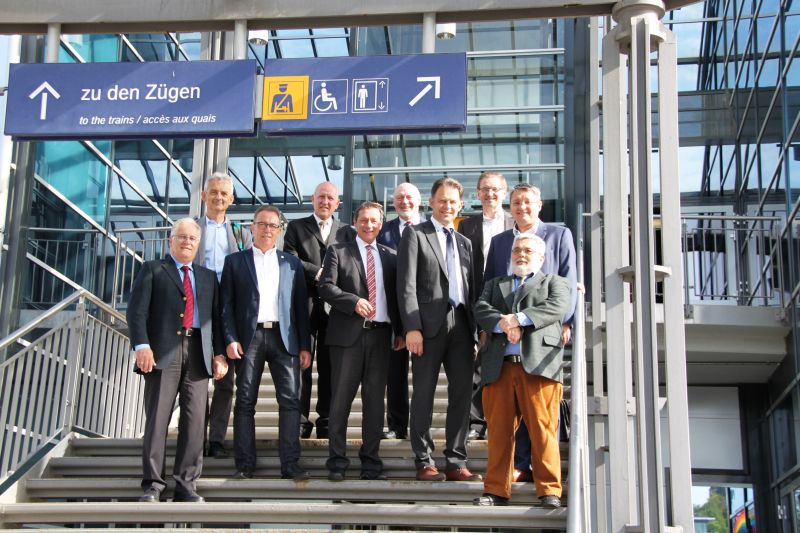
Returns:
(178, 333)
(184, 298)
(181, 315)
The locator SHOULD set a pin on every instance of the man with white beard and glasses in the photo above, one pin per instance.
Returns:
(522, 355)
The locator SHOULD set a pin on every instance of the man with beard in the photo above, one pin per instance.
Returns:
(522, 353)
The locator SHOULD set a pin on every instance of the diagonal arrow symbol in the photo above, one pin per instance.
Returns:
(436, 84)
(44, 89)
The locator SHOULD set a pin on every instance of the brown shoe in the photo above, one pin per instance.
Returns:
(462, 474)
(429, 473)
(522, 476)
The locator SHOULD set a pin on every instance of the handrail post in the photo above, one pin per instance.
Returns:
(74, 363)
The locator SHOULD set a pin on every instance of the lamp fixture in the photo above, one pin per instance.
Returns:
(334, 162)
(446, 31)
(258, 37)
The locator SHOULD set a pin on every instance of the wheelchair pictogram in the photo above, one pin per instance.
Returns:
(329, 96)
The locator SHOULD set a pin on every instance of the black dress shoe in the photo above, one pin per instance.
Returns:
(551, 501)
(293, 471)
(374, 476)
(336, 475)
(322, 433)
(151, 495)
(190, 497)
(305, 431)
(243, 474)
(217, 450)
(488, 499)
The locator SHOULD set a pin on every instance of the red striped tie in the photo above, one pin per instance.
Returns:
(373, 297)
(188, 312)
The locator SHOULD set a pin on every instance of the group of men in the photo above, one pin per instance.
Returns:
(364, 300)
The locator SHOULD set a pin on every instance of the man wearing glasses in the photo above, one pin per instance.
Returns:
(265, 320)
(219, 237)
(522, 355)
(176, 331)
(526, 204)
(480, 229)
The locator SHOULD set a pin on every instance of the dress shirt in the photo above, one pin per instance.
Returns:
(414, 221)
(268, 276)
(196, 321)
(381, 308)
(216, 245)
(492, 227)
(522, 318)
(442, 237)
(324, 230)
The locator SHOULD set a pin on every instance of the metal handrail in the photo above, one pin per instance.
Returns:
(578, 497)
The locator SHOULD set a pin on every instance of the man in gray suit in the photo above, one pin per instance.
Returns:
(219, 237)
(522, 351)
(434, 273)
(359, 282)
(480, 229)
(176, 331)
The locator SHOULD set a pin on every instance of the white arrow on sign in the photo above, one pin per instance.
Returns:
(425, 90)
(43, 89)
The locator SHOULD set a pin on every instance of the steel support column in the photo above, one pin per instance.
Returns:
(637, 500)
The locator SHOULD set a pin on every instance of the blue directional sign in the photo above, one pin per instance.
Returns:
(375, 94)
(131, 100)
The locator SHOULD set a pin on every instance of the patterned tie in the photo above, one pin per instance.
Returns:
(323, 226)
(188, 312)
(373, 297)
(452, 272)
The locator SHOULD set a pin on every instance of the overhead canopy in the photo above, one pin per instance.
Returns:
(125, 16)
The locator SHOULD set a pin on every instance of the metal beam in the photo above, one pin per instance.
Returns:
(122, 16)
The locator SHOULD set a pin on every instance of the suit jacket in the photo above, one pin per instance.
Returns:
(304, 240)
(472, 229)
(544, 299)
(156, 306)
(390, 234)
(558, 259)
(245, 238)
(344, 282)
(422, 279)
(240, 299)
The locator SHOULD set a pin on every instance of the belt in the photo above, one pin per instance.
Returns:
(369, 324)
(513, 359)
(188, 332)
(268, 325)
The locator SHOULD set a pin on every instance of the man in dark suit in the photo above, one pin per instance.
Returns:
(175, 329)
(480, 229)
(307, 238)
(526, 204)
(434, 273)
(264, 315)
(219, 237)
(522, 370)
(359, 282)
(406, 202)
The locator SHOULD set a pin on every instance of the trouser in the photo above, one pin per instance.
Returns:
(320, 354)
(221, 403)
(536, 400)
(364, 363)
(452, 347)
(397, 391)
(187, 378)
(266, 347)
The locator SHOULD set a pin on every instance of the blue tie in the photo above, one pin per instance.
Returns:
(452, 271)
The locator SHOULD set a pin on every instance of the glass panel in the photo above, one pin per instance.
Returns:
(91, 48)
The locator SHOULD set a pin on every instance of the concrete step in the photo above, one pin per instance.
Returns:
(216, 489)
(252, 514)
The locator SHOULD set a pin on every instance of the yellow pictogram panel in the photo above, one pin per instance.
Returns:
(285, 98)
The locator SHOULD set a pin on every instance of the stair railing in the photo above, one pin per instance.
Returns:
(77, 376)
(578, 496)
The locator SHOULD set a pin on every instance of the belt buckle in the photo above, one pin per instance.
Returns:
(188, 332)
(368, 324)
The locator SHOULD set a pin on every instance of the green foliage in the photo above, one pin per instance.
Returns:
(716, 507)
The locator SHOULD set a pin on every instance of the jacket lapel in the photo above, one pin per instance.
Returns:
(168, 264)
(313, 228)
(433, 239)
(251, 266)
(355, 253)
(464, 260)
(506, 286)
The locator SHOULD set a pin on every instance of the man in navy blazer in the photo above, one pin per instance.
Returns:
(559, 259)
(174, 327)
(265, 319)
(407, 200)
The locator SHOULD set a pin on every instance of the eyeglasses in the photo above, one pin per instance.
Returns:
(527, 251)
(263, 226)
(186, 238)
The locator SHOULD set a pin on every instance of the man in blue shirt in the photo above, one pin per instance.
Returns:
(219, 237)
